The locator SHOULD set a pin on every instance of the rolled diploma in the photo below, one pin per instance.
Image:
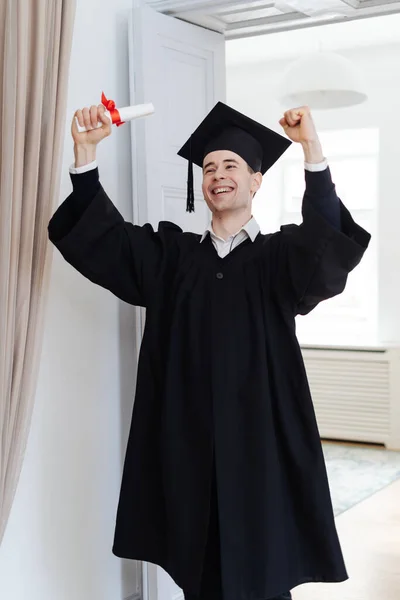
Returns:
(127, 113)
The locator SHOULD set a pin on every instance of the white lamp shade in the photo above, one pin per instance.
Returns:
(321, 81)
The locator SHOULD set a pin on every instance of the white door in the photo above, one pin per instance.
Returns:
(180, 68)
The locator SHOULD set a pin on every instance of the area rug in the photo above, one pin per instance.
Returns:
(355, 473)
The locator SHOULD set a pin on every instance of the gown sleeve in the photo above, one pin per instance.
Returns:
(312, 260)
(94, 238)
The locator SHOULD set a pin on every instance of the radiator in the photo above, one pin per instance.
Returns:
(356, 393)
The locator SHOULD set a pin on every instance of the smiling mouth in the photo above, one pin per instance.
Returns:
(221, 191)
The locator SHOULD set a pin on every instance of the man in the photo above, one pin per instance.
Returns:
(224, 482)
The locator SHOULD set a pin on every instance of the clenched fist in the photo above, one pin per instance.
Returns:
(299, 126)
(89, 118)
(85, 143)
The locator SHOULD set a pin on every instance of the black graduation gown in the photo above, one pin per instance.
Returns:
(221, 378)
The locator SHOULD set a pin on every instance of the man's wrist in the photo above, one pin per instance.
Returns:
(84, 154)
(313, 152)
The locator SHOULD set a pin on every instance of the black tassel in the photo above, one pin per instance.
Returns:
(190, 190)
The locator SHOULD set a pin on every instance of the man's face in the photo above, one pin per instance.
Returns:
(228, 184)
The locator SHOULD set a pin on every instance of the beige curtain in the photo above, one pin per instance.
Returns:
(35, 45)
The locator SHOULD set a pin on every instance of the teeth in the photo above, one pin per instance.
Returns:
(221, 190)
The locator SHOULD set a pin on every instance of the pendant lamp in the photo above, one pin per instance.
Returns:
(322, 80)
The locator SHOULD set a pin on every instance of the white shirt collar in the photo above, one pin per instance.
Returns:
(252, 229)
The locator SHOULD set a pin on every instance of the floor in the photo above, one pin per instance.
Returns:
(370, 537)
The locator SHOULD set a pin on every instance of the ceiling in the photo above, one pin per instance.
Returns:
(238, 19)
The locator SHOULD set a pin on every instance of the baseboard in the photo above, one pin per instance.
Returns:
(178, 596)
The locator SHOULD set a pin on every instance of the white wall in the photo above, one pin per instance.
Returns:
(251, 88)
(58, 542)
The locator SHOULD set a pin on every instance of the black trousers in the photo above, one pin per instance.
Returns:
(211, 583)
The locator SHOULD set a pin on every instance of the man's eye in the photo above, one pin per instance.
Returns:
(230, 167)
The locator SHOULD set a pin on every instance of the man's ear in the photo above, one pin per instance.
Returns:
(256, 183)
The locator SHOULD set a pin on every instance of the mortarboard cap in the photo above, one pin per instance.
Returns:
(227, 129)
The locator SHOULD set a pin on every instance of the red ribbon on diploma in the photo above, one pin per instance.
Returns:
(110, 106)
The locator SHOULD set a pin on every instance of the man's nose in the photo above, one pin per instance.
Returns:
(219, 174)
